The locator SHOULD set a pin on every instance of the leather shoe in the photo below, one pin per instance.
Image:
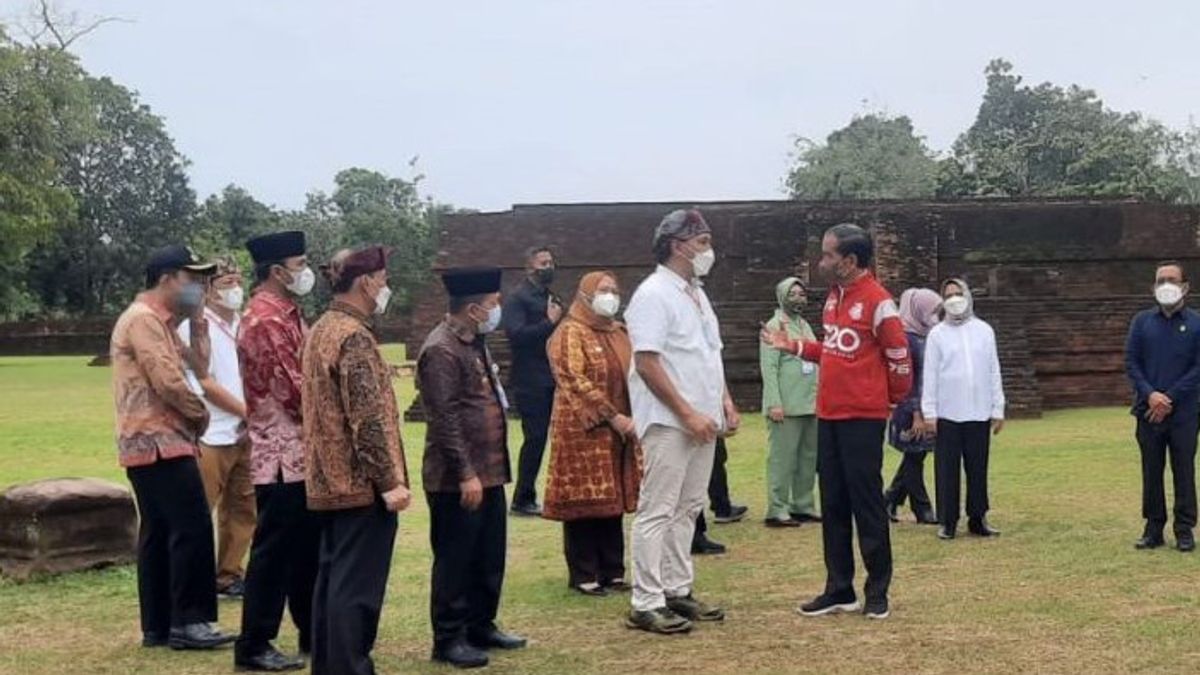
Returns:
(1185, 542)
(1149, 541)
(269, 661)
(705, 546)
(736, 514)
(495, 638)
(926, 517)
(946, 533)
(460, 655)
(155, 639)
(526, 510)
(980, 528)
(198, 636)
(236, 590)
(781, 522)
(806, 517)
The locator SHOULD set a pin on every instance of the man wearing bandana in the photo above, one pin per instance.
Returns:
(681, 404)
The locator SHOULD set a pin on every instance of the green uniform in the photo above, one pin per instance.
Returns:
(790, 383)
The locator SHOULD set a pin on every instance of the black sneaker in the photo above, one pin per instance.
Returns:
(877, 609)
(947, 532)
(736, 513)
(825, 604)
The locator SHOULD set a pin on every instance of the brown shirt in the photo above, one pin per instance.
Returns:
(158, 416)
(467, 434)
(351, 422)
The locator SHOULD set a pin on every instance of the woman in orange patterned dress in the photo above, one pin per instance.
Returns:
(595, 460)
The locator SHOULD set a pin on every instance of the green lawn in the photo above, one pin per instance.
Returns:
(1061, 590)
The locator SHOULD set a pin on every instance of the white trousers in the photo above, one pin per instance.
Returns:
(675, 479)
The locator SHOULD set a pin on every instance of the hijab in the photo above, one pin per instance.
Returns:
(610, 332)
(919, 310)
(967, 315)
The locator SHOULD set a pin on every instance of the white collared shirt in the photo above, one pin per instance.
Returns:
(664, 319)
(961, 380)
(222, 426)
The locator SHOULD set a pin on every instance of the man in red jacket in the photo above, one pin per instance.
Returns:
(865, 370)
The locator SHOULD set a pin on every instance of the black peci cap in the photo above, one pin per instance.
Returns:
(276, 246)
(464, 281)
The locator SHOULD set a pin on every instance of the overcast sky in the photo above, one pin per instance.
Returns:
(557, 101)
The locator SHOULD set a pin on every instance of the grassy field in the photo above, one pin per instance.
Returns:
(1061, 591)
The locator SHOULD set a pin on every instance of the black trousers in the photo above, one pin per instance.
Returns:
(176, 564)
(282, 568)
(1175, 438)
(535, 406)
(718, 483)
(850, 466)
(962, 446)
(468, 562)
(909, 483)
(355, 558)
(595, 550)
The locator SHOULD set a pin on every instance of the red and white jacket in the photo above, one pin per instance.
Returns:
(864, 359)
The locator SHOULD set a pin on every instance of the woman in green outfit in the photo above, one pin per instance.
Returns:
(789, 402)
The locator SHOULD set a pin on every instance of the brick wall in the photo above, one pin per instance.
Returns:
(1059, 278)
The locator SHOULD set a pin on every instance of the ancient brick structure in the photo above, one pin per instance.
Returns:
(1059, 279)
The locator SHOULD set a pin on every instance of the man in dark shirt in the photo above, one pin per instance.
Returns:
(1162, 358)
(465, 470)
(531, 312)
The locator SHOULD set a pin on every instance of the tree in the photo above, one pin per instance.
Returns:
(226, 221)
(132, 196)
(1050, 141)
(873, 157)
(43, 109)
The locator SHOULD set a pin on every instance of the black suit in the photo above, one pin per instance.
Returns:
(528, 328)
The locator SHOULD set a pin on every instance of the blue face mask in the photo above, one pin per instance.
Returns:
(493, 321)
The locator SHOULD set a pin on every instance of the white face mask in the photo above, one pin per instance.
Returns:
(702, 263)
(381, 299)
(232, 298)
(1168, 294)
(606, 304)
(493, 321)
(956, 305)
(302, 282)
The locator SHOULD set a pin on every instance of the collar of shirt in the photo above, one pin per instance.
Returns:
(160, 310)
(861, 278)
(536, 288)
(682, 284)
(347, 308)
(229, 327)
(462, 330)
(282, 303)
